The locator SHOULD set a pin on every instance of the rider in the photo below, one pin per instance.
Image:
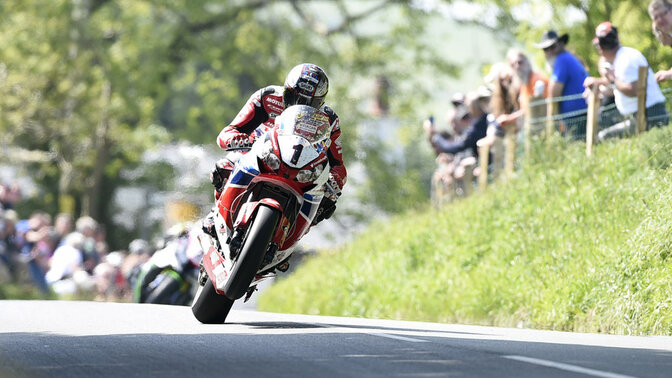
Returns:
(306, 84)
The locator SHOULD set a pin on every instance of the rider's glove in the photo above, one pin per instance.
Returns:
(240, 141)
(325, 210)
(220, 173)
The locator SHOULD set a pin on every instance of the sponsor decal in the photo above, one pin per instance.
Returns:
(274, 101)
(306, 74)
(214, 256)
(338, 142)
(323, 145)
(220, 273)
(306, 87)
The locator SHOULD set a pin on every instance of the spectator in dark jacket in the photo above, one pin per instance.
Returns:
(477, 102)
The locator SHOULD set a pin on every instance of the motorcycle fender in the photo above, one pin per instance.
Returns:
(213, 263)
(248, 209)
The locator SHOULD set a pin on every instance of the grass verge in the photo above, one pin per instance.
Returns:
(572, 243)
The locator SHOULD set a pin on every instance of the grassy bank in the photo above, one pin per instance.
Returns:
(571, 244)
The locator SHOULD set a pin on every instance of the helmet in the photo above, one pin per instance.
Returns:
(306, 84)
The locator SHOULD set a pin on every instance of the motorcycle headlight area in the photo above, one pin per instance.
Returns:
(309, 175)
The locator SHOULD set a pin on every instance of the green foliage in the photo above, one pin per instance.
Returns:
(579, 20)
(23, 291)
(572, 243)
(92, 85)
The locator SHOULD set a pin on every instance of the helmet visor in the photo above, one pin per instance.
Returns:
(291, 97)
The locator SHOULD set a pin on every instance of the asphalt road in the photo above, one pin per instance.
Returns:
(90, 339)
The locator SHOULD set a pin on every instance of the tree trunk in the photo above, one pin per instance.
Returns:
(101, 146)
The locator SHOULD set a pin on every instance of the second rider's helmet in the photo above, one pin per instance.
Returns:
(306, 84)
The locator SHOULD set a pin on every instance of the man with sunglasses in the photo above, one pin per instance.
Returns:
(567, 76)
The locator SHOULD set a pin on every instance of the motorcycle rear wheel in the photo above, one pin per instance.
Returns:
(209, 307)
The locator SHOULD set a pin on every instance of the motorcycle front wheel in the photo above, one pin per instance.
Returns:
(209, 307)
(257, 240)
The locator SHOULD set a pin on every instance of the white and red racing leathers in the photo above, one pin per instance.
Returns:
(258, 115)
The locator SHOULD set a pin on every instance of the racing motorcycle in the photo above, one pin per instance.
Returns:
(265, 207)
(170, 276)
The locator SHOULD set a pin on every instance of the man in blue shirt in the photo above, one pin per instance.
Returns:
(567, 77)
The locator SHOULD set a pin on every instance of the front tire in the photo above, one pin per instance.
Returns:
(256, 242)
(209, 307)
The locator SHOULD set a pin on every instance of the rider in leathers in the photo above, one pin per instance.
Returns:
(306, 84)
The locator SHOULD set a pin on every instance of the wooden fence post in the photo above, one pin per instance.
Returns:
(483, 161)
(468, 180)
(593, 117)
(497, 150)
(510, 154)
(550, 112)
(527, 130)
(641, 98)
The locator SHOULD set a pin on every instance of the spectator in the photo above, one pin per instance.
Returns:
(28, 233)
(139, 253)
(63, 225)
(661, 17)
(458, 120)
(9, 251)
(609, 114)
(568, 75)
(442, 180)
(66, 261)
(533, 86)
(623, 77)
(9, 196)
(504, 103)
(477, 103)
(88, 227)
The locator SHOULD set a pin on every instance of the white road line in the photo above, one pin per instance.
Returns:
(567, 367)
(396, 337)
(372, 333)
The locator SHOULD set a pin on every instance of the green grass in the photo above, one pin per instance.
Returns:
(572, 243)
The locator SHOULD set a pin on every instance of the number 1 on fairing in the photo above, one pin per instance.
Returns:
(297, 152)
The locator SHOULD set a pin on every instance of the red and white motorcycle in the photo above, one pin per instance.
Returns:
(266, 206)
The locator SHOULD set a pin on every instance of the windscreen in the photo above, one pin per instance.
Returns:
(304, 121)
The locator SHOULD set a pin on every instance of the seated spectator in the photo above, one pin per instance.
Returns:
(623, 77)
(66, 275)
(609, 114)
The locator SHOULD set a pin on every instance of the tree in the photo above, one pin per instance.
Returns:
(87, 85)
(527, 20)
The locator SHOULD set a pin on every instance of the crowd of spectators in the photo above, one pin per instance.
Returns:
(514, 90)
(64, 256)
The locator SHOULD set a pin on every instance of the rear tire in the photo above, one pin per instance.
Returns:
(209, 307)
(256, 242)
